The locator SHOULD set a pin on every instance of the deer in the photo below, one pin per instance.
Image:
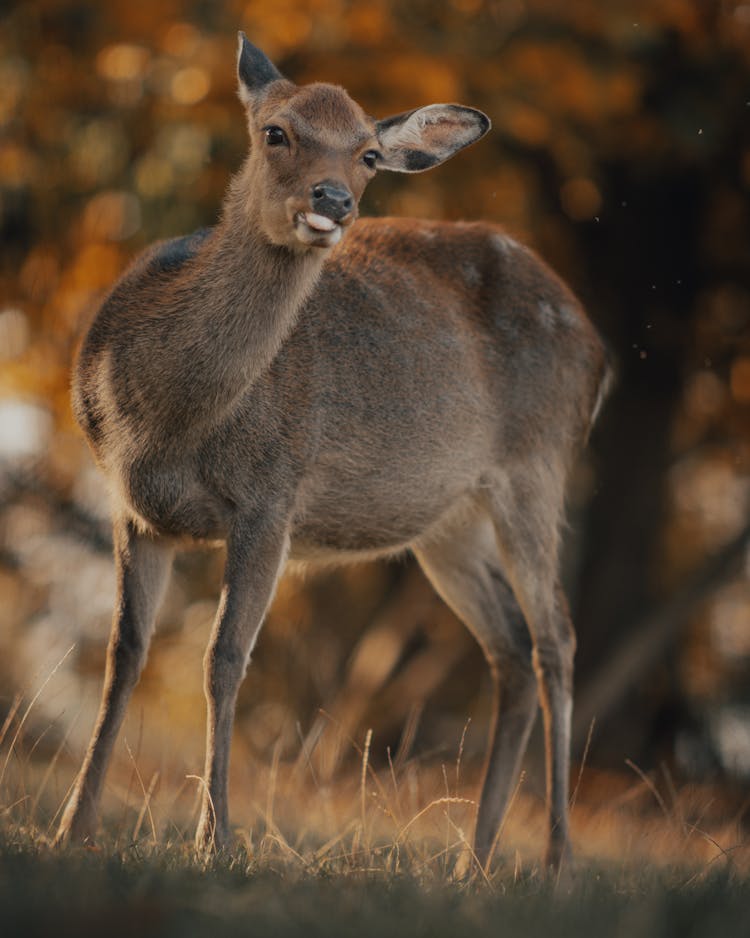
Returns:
(299, 384)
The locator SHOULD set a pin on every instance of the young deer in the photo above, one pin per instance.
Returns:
(419, 385)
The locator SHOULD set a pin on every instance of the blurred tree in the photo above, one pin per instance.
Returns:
(620, 150)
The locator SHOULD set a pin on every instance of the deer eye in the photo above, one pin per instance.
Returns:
(370, 158)
(275, 136)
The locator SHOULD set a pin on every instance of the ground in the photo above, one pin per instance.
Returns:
(378, 852)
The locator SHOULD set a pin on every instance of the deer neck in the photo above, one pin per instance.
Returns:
(255, 291)
(235, 304)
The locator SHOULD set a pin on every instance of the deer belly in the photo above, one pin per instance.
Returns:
(365, 517)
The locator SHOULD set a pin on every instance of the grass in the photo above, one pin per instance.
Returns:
(381, 851)
(164, 891)
(286, 881)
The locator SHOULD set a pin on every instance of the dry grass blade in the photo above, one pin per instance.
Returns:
(11, 716)
(724, 853)
(27, 711)
(583, 762)
(22, 800)
(202, 785)
(368, 767)
(651, 787)
(272, 782)
(51, 768)
(408, 734)
(676, 809)
(499, 833)
(363, 785)
(433, 804)
(307, 746)
(461, 752)
(322, 852)
(146, 806)
(392, 770)
(276, 837)
(475, 859)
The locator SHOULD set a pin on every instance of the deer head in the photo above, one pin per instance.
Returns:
(313, 150)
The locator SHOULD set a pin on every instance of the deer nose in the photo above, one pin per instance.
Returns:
(332, 200)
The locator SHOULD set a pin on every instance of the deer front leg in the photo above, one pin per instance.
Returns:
(256, 551)
(143, 566)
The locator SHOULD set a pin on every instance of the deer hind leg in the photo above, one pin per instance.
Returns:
(256, 550)
(464, 567)
(527, 512)
(143, 566)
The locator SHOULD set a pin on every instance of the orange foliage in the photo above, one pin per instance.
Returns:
(119, 124)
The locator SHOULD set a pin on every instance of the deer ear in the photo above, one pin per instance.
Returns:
(421, 139)
(254, 70)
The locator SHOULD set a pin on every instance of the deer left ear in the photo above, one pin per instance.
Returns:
(418, 140)
(254, 70)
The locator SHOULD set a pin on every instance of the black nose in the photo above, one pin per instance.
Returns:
(332, 200)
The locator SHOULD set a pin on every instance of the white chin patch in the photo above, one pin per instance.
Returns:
(316, 229)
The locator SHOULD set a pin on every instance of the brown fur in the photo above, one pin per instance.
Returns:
(420, 385)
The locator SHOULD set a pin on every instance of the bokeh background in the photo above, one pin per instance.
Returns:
(620, 150)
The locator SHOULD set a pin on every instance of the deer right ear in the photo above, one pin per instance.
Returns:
(254, 70)
(418, 140)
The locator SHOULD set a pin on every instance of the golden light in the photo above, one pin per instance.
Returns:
(740, 380)
(581, 199)
(181, 39)
(14, 333)
(154, 176)
(190, 85)
(16, 165)
(112, 216)
(704, 395)
(122, 62)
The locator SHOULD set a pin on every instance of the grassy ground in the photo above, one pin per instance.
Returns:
(639, 872)
(165, 892)
(382, 851)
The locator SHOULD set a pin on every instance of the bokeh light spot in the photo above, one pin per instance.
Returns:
(122, 62)
(190, 85)
(581, 199)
